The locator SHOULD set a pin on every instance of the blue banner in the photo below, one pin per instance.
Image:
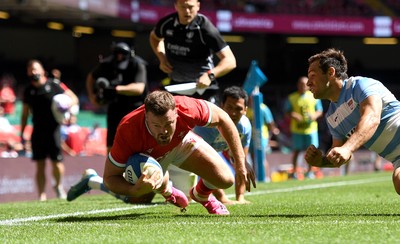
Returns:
(255, 78)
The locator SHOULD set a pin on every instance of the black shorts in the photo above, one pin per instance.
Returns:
(46, 142)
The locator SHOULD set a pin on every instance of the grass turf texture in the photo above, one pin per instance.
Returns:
(352, 209)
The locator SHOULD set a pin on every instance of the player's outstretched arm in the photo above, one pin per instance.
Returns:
(230, 133)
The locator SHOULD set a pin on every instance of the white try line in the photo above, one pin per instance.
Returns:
(320, 186)
(291, 189)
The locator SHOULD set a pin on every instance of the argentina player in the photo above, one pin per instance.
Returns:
(362, 112)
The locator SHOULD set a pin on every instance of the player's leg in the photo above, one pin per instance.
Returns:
(219, 193)
(208, 165)
(296, 144)
(377, 162)
(58, 171)
(214, 173)
(172, 194)
(58, 174)
(92, 181)
(182, 179)
(41, 178)
(295, 155)
(39, 156)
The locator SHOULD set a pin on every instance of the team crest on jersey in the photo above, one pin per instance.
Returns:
(47, 88)
(169, 33)
(350, 103)
(189, 37)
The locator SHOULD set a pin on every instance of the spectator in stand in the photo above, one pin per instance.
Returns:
(45, 138)
(7, 94)
(303, 110)
(56, 73)
(72, 137)
(120, 83)
(5, 125)
(8, 137)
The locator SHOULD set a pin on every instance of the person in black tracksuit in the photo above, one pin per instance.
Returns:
(119, 82)
(185, 42)
(45, 138)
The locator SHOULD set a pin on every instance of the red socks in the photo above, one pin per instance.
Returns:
(202, 190)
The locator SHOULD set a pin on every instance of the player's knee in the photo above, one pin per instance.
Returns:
(222, 182)
(228, 181)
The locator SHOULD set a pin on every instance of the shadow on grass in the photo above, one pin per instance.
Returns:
(100, 218)
(139, 216)
(156, 215)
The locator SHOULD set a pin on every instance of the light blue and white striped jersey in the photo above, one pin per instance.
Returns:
(342, 117)
(215, 139)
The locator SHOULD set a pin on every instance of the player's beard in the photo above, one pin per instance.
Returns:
(163, 139)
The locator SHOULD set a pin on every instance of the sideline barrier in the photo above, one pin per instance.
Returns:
(17, 176)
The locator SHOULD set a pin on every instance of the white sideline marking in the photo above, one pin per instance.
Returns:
(319, 186)
(300, 188)
(38, 218)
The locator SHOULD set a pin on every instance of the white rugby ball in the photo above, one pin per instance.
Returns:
(139, 163)
(60, 106)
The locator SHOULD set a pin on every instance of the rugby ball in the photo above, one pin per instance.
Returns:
(139, 163)
(60, 106)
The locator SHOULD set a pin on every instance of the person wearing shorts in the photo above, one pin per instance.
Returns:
(303, 110)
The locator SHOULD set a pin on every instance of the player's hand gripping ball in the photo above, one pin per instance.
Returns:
(138, 164)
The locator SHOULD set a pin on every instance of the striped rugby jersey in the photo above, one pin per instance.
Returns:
(342, 116)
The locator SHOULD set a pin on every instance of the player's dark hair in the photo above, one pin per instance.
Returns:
(331, 58)
(159, 102)
(236, 93)
(32, 61)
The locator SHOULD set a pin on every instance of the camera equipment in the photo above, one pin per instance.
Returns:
(105, 93)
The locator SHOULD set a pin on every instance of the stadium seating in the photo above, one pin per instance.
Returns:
(301, 7)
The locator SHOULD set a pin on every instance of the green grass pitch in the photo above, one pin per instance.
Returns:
(362, 208)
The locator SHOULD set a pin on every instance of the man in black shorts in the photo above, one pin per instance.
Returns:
(120, 82)
(184, 42)
(45, 138)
